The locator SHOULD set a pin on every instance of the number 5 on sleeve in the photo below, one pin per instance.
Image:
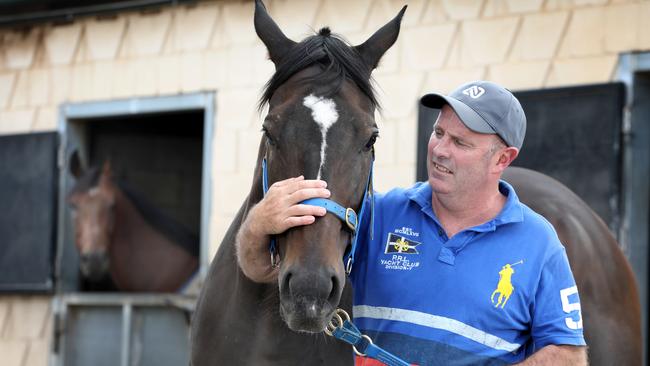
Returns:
(569, 307)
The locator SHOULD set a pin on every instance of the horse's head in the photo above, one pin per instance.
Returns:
(320, 124)
(92, 201)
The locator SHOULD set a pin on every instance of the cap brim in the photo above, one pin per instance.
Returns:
(467, 115)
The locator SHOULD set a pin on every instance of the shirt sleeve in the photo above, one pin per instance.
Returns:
(557, 316)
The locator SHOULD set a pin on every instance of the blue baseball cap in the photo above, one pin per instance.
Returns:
(485, 107)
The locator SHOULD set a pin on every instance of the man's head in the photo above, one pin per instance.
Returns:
(477, 135)
(485, 107)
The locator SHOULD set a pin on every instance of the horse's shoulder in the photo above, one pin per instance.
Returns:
(579, 228)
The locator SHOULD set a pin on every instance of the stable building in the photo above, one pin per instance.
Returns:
(168, 91)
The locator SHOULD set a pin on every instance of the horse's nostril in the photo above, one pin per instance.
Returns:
(285, 285)
(335, 289)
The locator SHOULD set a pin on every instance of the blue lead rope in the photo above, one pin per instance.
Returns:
(343, 330)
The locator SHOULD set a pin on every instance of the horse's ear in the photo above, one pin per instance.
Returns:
(107, 172)
(76, 168)
(374, 48)
(276, 42)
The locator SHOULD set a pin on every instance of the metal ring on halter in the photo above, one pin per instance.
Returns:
(340, 316)
(345, 314)
(348, 266)
(274, 263)
(334, 323)
(355, 348)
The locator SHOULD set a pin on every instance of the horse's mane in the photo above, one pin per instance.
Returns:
(170, 228)
(338, 59)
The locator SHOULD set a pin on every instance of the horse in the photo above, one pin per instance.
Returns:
(124, 242)
(608, 293)
(320, 123)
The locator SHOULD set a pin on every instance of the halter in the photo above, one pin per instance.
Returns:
(347, 215)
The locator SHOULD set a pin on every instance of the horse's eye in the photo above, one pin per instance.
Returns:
(268, 136)
(372, 140)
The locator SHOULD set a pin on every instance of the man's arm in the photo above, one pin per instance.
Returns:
(558, 355)
(277, 212)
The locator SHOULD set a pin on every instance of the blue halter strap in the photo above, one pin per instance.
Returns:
(347, 215)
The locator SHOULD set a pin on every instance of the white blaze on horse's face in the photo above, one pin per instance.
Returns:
(323, 111)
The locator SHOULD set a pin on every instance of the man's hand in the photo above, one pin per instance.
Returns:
(558, 355)
(280, 209)
(277, 212)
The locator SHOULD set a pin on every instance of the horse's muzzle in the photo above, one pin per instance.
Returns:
(308, 299)
(94, 266)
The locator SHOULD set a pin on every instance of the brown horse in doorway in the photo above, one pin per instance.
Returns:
(608, 294)
(124, 242)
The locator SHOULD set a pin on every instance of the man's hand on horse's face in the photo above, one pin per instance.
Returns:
(281, 210)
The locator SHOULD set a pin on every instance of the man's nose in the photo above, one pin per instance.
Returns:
(441, 148)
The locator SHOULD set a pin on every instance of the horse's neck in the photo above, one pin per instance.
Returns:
(130, 228)
(145, 254)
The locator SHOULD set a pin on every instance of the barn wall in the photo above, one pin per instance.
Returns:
(25, 330)
(520, 43)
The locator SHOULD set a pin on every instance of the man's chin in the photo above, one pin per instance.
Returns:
(439, 185)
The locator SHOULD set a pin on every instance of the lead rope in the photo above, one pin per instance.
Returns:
(341, 328)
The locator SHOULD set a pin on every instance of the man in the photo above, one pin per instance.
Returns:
(458, 271)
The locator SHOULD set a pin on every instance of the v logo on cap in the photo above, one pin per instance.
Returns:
(474, 91)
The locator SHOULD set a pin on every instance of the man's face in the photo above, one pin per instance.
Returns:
(458, 159)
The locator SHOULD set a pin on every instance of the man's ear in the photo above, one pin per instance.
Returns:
(505, 157)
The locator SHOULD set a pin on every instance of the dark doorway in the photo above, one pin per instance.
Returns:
(159, 156)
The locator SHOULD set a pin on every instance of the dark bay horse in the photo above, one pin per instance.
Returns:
(320, 123)
(608, 294)
(124, 242)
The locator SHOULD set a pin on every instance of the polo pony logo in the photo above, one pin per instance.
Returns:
(504, 287)
(474, 91)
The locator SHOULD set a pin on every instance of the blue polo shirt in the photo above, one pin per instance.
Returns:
(490, 295)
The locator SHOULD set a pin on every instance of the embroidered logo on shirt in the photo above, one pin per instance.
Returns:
(504, 287)
(407, 231)
(399, 244)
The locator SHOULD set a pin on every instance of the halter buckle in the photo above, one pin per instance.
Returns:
(352, 226)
